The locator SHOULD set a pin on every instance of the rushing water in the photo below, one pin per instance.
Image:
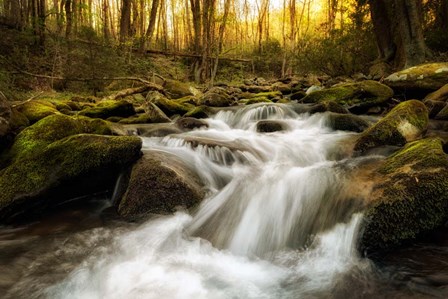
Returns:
(280, 220)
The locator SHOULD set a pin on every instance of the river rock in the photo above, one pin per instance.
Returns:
(109, 108)
(168, 106)
(216, 97)
(190, 123)
(35, 138)
(268, 126)
(357, 97)
(434, 107)
(406, 122)
(347, 122)
(420, 78)
(410, 198)
(327, 106)
(177, 89)
(68, 168)
(199, 112)
(159, 183)
(35, 110)
(152, 114)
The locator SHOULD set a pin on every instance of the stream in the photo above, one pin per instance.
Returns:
(281, 219)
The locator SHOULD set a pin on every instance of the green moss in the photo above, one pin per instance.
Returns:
(405, 122)
(269, 95)
(412, 197)
(177, 89)
(18, 120)
(144, 118)
(366, 94)
(198, 112)
(36, 110)
(254, 100)
(106, 109)
(51, 129)
(171, 107)
(431, 76)
(29, 178)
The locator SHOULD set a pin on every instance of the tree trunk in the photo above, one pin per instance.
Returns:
(398, 31)
(125, 20)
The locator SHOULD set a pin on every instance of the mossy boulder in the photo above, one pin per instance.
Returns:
(425, 77)
(109, 108)
(406, 122)
(152, 114)
(216, 97)
(347, 122)
(357, 97)
(73, 166)
(177, 89)
(198, 112)
(190, 123)
(35, 110)
(254, 100)
(159, 183)
(168, 106)
(327, 106)
(50, 129)
(411, 197)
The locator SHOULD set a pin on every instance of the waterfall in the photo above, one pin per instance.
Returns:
(280, 218)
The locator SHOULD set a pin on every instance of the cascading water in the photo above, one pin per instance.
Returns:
(280, 219)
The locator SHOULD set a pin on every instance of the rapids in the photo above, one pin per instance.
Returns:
(281, 220)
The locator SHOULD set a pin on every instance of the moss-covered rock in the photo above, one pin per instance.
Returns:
(152, 114)
(35, 110)
(216, 97)
(347, 122)
(171, 107)
(50, 129)
(177, 89)
(327, 106)
(425, 77)
(109, 108)
(357, 97)
(411, 197)
(159, 183)
(64, 169)
(198, 112)
(254, 100)
(406, 122)
(438, 95)
(17, 120)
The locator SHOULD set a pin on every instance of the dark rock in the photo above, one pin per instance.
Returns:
(410, 198)
(159, 183)
(267, 126)
(190, 123)
(434, 107)
(109, 108)
(216, 97)
(347, 122)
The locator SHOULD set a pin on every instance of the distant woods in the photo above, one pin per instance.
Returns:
(281, 37)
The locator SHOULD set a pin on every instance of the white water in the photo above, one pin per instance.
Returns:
(280, 219)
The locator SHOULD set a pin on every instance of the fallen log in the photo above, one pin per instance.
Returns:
(156, 52)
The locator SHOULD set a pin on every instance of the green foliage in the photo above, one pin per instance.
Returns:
(268, 59)
(342, 53)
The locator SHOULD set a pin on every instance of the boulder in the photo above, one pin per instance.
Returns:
(68, 168)
(421, 78)
(406, 122)
(109, 108)
(177, 89)
(35, 110)
(254, 100)
(357, 97)
(152, 114)
(440, 95)
(50, 129)
(216, 97)
(169, 107)
(347, 122)
(268, 126)
(159, 183)
(410, 198)
(190, 123)
(199, 112)
(328, 106)
(434, 107)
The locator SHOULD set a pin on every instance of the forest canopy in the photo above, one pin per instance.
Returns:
(275, 37)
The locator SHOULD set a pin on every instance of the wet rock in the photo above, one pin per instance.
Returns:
(268, 126)
(158, 130)
(442, 114)
(254, 100)
(152, 114)
(109, 108)
(434, 107)
(410, 198)
(328, 106)
(420, 78)
(35, 110)
(190, 123)
(298, 95)
(70, 167)
(159, 183)
(406, 122)
(347, 122)
(357, 97)
(199, 112)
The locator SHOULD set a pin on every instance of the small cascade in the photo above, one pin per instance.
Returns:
(280, 219)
